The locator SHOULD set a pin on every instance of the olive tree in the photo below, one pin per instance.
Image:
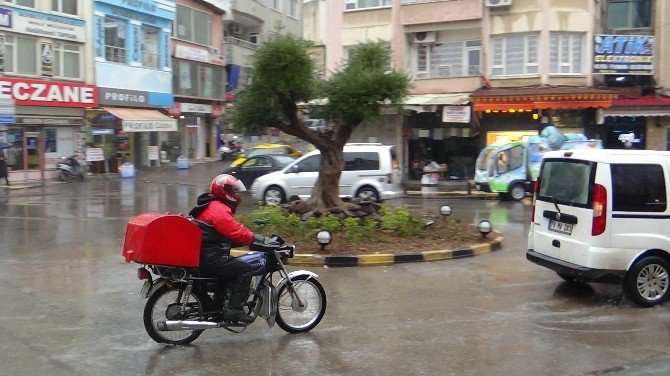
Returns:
(284, 76)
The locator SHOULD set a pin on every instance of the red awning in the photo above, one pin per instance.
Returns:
(642, 101)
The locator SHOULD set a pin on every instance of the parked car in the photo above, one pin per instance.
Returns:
(370, 171)
(268, 149)
(257, 166)
(601, 216)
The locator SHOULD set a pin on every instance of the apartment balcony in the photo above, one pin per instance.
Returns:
(415, 12)
(239, 51)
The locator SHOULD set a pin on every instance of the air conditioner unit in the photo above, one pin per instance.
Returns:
(497, 3)
(424, 37)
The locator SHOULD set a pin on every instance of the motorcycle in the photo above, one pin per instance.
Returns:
(70, 169)
(230, 152)
(182, 303)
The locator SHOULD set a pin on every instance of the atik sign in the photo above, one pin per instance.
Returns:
(623, 54)
(49, 93)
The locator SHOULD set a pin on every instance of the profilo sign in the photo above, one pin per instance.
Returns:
(49, 93)
(623, 54)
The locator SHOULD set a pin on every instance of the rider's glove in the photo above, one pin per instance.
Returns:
(264, 244)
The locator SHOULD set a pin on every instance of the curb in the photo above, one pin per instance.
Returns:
(381, 259)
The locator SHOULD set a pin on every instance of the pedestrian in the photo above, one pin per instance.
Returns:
(3, 167)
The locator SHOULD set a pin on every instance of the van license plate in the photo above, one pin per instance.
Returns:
(563, 228)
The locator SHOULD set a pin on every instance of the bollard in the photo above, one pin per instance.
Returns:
(182, 162)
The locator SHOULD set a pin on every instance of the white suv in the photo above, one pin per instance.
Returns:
(603, 216)
(370, 171)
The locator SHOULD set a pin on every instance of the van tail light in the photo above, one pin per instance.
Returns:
(389, 178)
(536, 187)
(599, 210)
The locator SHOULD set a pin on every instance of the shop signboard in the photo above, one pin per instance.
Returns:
(149, 125)
(46, 25)
(191, 53)
(94, 155)
(46, 59)
(623, 54)
(152, 152)
(122, 97)
(48, 93)
(456, 114)
(103, 131)
(7, 109)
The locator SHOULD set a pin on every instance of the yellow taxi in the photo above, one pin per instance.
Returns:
(271, 149)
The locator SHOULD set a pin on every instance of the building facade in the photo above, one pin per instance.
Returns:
(198, 80)
(45, 84)
(488, 71)
(133, 73)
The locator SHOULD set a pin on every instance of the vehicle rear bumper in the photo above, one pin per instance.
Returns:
(578, 272)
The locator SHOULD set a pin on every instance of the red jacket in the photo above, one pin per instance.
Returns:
(221, 217)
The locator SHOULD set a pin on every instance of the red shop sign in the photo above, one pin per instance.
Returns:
(49, 93)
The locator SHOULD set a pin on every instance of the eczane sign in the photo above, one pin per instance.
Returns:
(49, 93)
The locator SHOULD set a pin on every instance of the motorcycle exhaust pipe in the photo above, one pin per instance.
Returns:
(185, 325)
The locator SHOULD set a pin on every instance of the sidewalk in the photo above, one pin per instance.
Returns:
(458, 188)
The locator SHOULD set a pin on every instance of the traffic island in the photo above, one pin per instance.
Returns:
(380, 259)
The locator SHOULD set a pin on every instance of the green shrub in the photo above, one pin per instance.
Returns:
(401, 221)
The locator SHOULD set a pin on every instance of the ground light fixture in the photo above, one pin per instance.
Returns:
(484, 227)
(445, 210)
(324, 238)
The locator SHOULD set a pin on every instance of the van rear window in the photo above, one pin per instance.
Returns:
(565, 181)
(638, 188)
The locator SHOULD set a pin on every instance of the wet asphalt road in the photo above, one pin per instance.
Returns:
(70, 305)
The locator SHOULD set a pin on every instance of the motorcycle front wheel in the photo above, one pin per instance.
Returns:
(63, 176)
(290, 315)
(165, 305)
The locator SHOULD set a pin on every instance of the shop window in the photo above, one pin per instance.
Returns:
(150, 46)
(67, 60)
(14, 154)
(115, 40)
(565, 53)
(515, 54)
(199, 80)
(25, 3)
(64, 6)
(629, 14)
(50, 141)
(193, 25)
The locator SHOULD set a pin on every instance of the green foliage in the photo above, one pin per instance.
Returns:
(401, 221)
(330, 223)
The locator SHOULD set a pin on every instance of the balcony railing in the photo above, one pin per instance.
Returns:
(241, 43)
(149, 60)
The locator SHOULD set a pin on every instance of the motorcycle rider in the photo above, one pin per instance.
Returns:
(215, 212)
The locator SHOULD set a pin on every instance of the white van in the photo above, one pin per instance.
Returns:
(370, 171)
(603, 216)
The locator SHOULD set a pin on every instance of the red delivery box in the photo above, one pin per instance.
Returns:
(162, 239)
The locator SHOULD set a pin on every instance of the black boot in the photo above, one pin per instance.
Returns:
(238, 296)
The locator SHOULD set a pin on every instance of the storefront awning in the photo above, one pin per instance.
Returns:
(544, 97)
(643, 106)
(429, 102)
(142, 120)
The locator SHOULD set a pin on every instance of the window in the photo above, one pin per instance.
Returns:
(629, 14)
(50, 141)
(193, 25)
(274, 4)
(67, 60)
(638, 188)
(449, 59)
(197, 80)
(515, 54)
(20, 54)
(509, 159)
(64, 6)
(150, 46)
(115, 40)
(25, 3)
(566, 182)
(293, 8)
(360, 4)
(309, 164)
(361, 161)
(565, 53)
(667, 138)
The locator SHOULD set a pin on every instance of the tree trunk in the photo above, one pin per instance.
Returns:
(325, 193)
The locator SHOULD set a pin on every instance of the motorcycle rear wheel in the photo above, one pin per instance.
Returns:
(63, 176)
(295, 319)
(164, 305)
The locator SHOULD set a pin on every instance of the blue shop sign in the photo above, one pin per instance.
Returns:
(623, 54)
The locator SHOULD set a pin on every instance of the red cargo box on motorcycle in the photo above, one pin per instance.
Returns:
(162, 239)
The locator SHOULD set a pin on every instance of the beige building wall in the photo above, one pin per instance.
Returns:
(662, 25)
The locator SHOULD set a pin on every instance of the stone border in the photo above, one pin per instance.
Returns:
(380, 259)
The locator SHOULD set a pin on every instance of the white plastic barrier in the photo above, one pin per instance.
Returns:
(182, 162)
(127, 170)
